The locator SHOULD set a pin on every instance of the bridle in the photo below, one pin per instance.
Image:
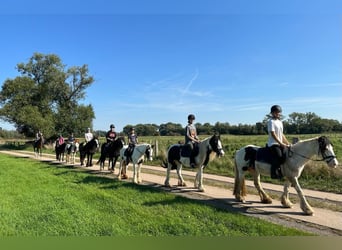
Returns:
(322, 144)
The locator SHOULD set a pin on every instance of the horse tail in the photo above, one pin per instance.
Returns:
(164, 163)
(239, 184)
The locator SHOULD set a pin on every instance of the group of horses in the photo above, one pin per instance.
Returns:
(249, 159)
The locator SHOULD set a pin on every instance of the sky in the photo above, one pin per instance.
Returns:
(158, 61)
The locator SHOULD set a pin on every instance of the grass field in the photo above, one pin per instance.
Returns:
(42, 199)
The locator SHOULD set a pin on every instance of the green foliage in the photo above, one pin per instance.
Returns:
(38, 199)
(45, 97)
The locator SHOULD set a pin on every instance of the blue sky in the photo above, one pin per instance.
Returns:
(157, 61)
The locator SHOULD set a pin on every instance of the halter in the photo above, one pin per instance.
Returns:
(322, 144)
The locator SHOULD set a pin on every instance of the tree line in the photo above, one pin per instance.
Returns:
(47, 95)
(296, 123)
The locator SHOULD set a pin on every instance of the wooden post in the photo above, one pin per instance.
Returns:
(156, 148)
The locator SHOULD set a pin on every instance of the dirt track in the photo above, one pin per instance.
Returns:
(219, 194)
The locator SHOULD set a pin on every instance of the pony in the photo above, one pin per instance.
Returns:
(60, 150)
(137, 158)
(71, 150)
(38, 146)
(112, 151)
(251, 158)
(175, 160)
(88, 150)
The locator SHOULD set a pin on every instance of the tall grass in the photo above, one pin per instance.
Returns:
(43, 199)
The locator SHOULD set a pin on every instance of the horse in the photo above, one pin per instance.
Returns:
(251, 158)
(60, 150)
(71, 150)
(88, 150)
(38, 146)
(137, 158)
(175, 160)
(112, 151)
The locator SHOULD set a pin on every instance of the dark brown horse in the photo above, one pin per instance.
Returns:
(38, 146)
(88, 150)
(112, 151)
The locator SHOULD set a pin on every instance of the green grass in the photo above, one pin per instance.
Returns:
(43, 199)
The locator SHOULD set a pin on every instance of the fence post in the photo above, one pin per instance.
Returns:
(156, 148)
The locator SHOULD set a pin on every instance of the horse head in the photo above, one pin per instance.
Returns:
(325, 148)
(216, 145)
(149, 152)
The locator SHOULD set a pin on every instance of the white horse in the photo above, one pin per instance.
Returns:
(175, 160)
(137, 158)
(71, 150)
(297, 155)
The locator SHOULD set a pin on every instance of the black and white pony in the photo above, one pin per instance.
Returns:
(112, 151)
(60, 150)
(139, 153)
(251, 158)
(87, 150)
(38, 146)
(71, 150)
(175, 160)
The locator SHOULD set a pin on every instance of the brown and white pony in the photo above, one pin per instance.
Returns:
(296, 157)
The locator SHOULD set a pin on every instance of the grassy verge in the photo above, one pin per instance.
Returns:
(41, 199)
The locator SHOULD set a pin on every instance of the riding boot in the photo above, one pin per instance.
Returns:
(192, 161)
(276, 172)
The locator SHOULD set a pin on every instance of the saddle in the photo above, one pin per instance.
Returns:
(263, 154)
(186, 151)
(128, 152)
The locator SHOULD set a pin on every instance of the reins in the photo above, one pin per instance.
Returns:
(324, 157)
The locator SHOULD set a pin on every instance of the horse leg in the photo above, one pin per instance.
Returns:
(91, 159)
(265, 198)
(285, 201)
(304, 205)
(181, 181)
(167, 179)
(239, 184)
(120, 169)
(135, 174)
(199, 179)
(139, 173)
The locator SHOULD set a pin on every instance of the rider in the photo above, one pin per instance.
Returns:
(111, 134)
(39, 135)
(277, 141)
(71, 140)
(88, 135)
(191, 138)
(60, 139)
(132, 141)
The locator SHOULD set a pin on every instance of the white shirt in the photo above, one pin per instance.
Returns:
(275, 125)
(88, 136)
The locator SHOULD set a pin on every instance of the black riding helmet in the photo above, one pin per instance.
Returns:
(191, 117)
(276, 108)
(112, 126)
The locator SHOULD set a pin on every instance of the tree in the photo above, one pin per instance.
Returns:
(45, 96)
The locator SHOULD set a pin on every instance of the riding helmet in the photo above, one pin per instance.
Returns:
(276, 108)
(191, 117)
(112, 126)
